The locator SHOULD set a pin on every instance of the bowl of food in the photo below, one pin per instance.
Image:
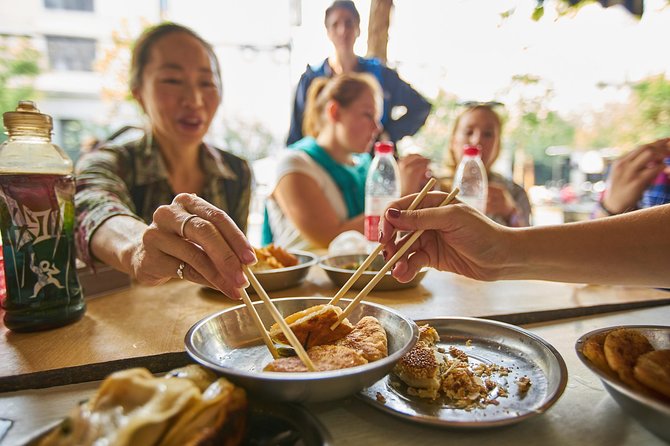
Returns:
(228, 343)
(340, 268)
(278, 268)
(633, 363)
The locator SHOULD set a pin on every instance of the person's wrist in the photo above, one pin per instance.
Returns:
(606, 209)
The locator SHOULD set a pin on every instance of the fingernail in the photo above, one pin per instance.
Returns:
(248, 257)
(393, 212)
(385, 254)
(241, 279)
(381, 236)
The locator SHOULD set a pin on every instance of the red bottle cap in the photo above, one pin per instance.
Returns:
(472, 151)
(384, 147)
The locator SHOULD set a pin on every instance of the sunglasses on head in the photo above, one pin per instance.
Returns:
(491, 104)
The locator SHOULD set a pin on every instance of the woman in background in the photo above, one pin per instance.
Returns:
(479, 125)
(168, 205)
(320, 183)
(342, 22)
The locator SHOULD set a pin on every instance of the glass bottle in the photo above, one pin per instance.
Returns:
(37, 224)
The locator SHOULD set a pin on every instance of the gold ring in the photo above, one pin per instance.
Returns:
(183, 225)
(180, 270)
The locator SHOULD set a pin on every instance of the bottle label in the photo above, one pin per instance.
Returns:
(37, 224)
(374, 209)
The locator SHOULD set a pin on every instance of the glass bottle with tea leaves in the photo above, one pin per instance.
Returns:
(37, 224)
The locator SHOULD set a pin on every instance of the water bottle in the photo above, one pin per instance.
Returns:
(382, 185)
(472, 180)
(37, 224)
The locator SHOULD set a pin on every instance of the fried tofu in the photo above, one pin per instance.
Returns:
(368, 338)
(312, 326)
(324, 357)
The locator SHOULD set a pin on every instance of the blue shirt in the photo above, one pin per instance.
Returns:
(396, 91)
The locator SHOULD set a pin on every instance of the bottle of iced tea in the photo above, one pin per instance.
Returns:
(37, 224)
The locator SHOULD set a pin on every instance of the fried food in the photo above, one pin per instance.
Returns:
(653, 370)
(312, 326)
(273, 257)
(462, 386)
(368, 339)
(133, 407)
(420, 367)
(622, 348)
(430, 373)
(594, 350)
(324, 357)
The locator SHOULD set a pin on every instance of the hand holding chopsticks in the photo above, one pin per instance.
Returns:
(389, 264)
(290, 336)
(373, 255)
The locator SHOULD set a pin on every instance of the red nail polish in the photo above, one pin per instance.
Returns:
(393, 213)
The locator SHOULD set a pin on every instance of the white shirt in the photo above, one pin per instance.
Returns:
(284, 232)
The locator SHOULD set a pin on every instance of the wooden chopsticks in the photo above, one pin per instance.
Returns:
(373, 255)
(364, 292)
(290, 336)
(259, 324)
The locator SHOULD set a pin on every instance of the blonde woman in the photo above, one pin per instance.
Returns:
(479, 125)
(320, 184)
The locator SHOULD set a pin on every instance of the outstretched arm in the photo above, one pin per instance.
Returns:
(631, 249)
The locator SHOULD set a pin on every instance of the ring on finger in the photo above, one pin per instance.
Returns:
(183, 225)
(180, 270)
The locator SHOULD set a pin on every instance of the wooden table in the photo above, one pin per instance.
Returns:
(145, 326)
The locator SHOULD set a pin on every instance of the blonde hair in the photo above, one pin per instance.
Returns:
(343, 89)
(449, 158)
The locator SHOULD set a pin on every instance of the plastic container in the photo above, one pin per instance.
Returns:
(382, 186)
(37, 224)
(472, 180)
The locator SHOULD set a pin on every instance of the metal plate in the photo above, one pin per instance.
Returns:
(335, 267)
(228, 343)
(484, 341)
(653, 414)
(267, 424)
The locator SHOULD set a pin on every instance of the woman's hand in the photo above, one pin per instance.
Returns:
(500, 202)
(414, 173)
(194, 240)
(457, 239)
(633, 173)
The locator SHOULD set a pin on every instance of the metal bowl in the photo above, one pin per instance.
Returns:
(228, 343)
(339, 273)
(652, 413)
(281, 278)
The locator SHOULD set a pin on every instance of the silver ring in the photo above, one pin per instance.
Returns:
(183, 225)
(180, 270)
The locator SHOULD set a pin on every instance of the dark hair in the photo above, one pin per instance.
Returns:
(347, 5)
(343, 89)
(142, 49)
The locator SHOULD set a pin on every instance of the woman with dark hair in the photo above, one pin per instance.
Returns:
(342, 22)
(168, 205)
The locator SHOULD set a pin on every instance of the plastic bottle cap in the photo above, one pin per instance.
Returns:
(384, 147)
(472, 151)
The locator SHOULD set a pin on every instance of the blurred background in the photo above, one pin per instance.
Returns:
(580, 84)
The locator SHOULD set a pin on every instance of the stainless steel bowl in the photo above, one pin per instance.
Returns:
(228, 343)
(281, 278)
(338, 269)
(652, 413)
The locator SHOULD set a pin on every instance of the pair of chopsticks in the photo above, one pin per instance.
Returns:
(380, 274)
(290, 336)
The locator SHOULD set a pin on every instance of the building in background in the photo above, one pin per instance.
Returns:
(72, 36)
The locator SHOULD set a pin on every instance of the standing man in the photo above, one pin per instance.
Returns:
(342, 22)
